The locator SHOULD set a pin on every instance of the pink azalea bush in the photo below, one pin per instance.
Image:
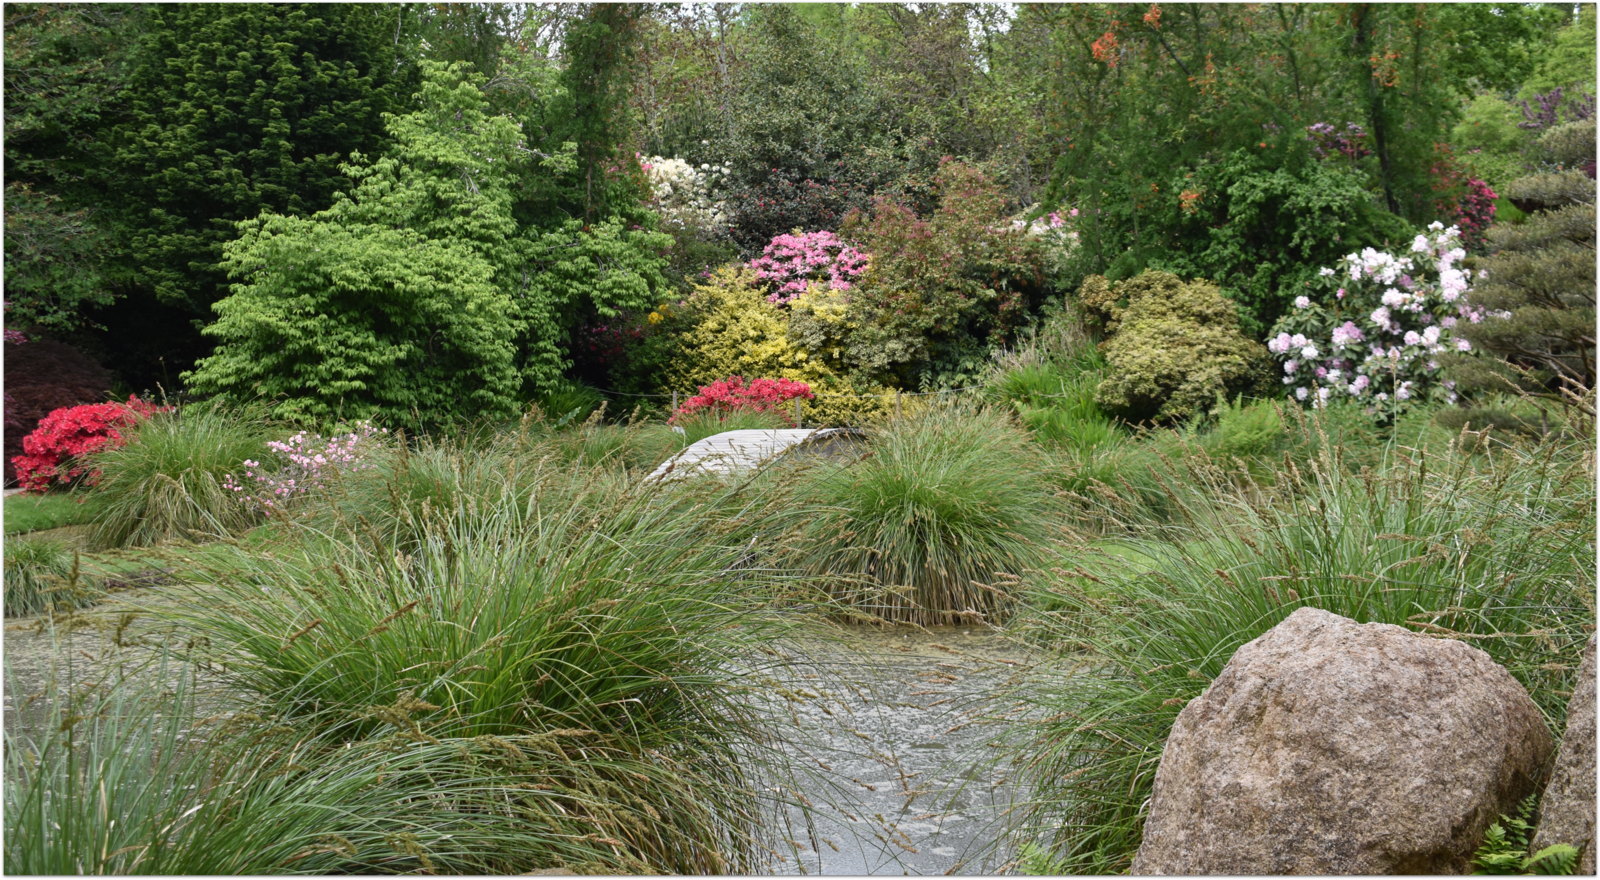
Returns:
(1377, 332)
(309, 461)
(733, 394)
(53, 453)
(796, 259)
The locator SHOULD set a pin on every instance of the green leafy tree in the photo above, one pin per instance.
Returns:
(1569, 61)
(598, 50)
(395, 302)
(806, 142)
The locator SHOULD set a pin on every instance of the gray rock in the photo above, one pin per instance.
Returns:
(1332, 747)
(1566, 814)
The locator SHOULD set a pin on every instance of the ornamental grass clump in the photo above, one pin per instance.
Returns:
(589, 623)
(945, 512)
(136, 782)
(42, 575)
(1497, 549)
(169, 481)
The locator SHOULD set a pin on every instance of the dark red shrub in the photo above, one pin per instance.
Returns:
(43, 375)
(53, 453)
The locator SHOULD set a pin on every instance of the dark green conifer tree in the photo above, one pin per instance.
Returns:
(1539, 282)
(234, 110)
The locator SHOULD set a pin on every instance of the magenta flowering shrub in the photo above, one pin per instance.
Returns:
(1378, 331)
(309, 461)
(1474, 213)
(794, 260)
(734, 395)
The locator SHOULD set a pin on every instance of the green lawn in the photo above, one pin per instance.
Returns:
(27, 512)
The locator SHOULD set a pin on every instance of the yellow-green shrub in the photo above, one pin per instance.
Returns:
(732, 330)
(1175, 346)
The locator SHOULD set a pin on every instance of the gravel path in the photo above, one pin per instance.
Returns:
(886, 733)
(891, 738)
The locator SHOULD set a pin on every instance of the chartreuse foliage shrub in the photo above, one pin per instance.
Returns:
(595, 637)
(1493, 548)
(935, 524)
(1174, 346)
(387, 304)
(170, 480)
(727, 327)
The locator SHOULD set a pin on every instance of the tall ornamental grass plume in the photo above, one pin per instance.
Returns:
(934, 524)
(168, 481)
(135, 782)
(615, 631)
(42, 575)
(405, 484)
(1495, 549)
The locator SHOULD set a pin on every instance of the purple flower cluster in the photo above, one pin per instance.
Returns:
(310, 462)
(1554, 108)
(795, 260)
(1327, 140)
(1379, 336)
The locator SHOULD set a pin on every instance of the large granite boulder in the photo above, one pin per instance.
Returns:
(1332, 747)
(1566, 814)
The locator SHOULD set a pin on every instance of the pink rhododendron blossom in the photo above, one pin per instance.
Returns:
(310, 461)
(1411, 302)
(793, 261)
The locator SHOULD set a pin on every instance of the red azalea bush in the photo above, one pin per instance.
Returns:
(40, 376)
(734, 395)
(53, 453)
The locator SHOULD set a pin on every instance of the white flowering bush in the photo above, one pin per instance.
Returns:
(1378, 329)
(1055, 231)
(684, 194)
(309, 461)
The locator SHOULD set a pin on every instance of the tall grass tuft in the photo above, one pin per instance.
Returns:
(166, 482)
(1497, 550)
(136, 783)
(946, 509)
(41, 576)
(614, 630)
